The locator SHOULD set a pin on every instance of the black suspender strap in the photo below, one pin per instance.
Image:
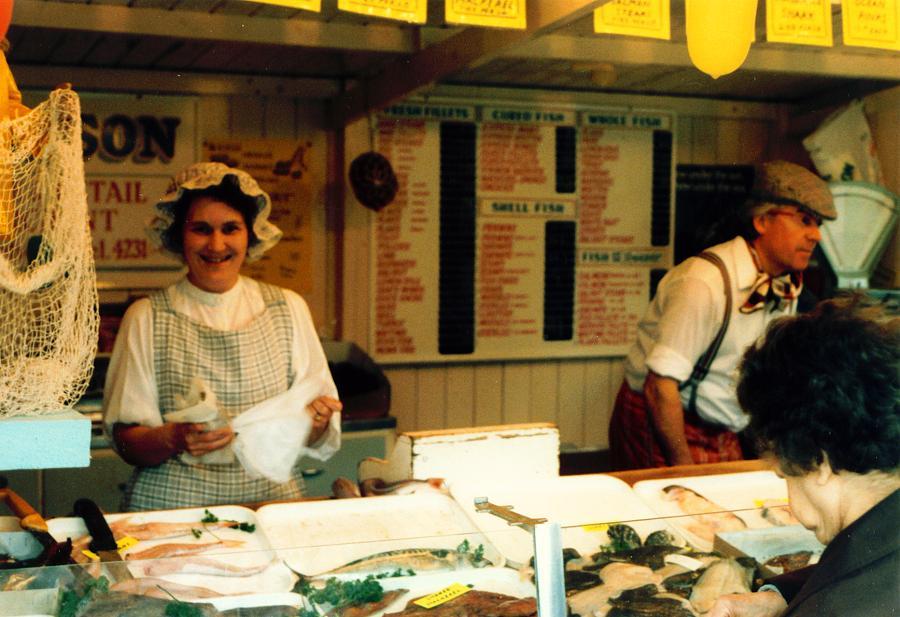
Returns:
(701, 368)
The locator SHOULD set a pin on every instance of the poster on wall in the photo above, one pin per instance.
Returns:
(132, 146)
(518, 232)
(281, 167)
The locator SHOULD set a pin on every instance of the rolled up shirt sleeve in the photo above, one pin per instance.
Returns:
(690, 317)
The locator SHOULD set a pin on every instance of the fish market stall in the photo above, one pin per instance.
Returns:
(624, 548)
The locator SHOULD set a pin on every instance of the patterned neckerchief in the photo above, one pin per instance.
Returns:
(778, 290)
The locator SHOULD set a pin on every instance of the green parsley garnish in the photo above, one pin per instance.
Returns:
(209, 517)
(340, 594)
(73, 603)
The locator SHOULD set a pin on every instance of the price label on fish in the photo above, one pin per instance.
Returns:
(444, 595)
(125, 543)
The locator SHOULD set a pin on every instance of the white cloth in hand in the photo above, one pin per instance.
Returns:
(272, 435)
(200, 406)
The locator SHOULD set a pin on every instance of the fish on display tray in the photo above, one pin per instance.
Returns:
(584, 506)
(701, 507)
(483, 582)
(316, 538)
(626, 577)
(777, 549)
(220, 548)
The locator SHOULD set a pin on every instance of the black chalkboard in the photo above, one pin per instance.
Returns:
(708, 198)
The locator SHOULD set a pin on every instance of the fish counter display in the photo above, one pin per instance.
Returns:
(629, 553)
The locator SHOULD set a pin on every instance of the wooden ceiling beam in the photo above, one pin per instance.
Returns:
(201, 25)
(467, 48)
(30, 77)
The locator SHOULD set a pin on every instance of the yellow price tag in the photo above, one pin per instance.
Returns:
(126, 543)
(444, 595)
(91, 555)
(598, 527)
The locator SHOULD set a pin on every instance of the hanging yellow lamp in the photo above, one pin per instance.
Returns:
(719, 33)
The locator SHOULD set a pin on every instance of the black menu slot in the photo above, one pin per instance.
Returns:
(456, 312)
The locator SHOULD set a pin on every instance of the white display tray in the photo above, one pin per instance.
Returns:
(314, 537)
(255, 552)
(739, 493)
(582, 505)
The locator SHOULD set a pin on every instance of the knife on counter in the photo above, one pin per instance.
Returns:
(103, 543)
(53, 553)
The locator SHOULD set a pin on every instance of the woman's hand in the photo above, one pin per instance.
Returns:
(759, 604)
(148, 446)
(321, 410)
(198, 441)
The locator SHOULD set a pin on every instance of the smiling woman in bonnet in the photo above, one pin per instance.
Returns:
(214, 352)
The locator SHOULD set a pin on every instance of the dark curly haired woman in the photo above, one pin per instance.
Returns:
(823, 394)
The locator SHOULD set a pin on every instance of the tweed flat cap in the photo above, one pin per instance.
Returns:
(784, 183)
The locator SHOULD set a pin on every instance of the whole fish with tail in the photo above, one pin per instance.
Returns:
(403, 562)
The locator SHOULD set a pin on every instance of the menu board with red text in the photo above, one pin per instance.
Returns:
(518, 232)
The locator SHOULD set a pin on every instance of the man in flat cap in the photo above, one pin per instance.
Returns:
(677, 405)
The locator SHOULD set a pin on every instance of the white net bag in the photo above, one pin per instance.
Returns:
(48, 293)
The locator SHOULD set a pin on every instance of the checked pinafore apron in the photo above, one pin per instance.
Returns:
(243, 367)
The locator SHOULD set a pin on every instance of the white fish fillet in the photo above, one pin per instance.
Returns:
(197, 565)
(723, 576)
(157, 588)
(180, 549)
(158, 530)
(708, 518)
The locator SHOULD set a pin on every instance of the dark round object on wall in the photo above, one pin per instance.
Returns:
(373, 180)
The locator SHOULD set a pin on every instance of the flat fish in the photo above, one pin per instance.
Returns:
(708, 517)
(723, 576)
(617, 577)
(417, 560)
(180, 549)
(790, 561)
(119, 604)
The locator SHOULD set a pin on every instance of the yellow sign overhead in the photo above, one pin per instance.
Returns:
(871, 23)
(804, 22)
(496, 13)
(306, 5)
(413, 11)
(647, 18)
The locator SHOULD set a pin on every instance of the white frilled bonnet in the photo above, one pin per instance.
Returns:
(203, 176)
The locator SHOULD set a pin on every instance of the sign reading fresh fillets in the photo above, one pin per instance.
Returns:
(518, 232)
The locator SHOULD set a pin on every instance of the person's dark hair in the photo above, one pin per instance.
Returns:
(827, 383)
(229, 192)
